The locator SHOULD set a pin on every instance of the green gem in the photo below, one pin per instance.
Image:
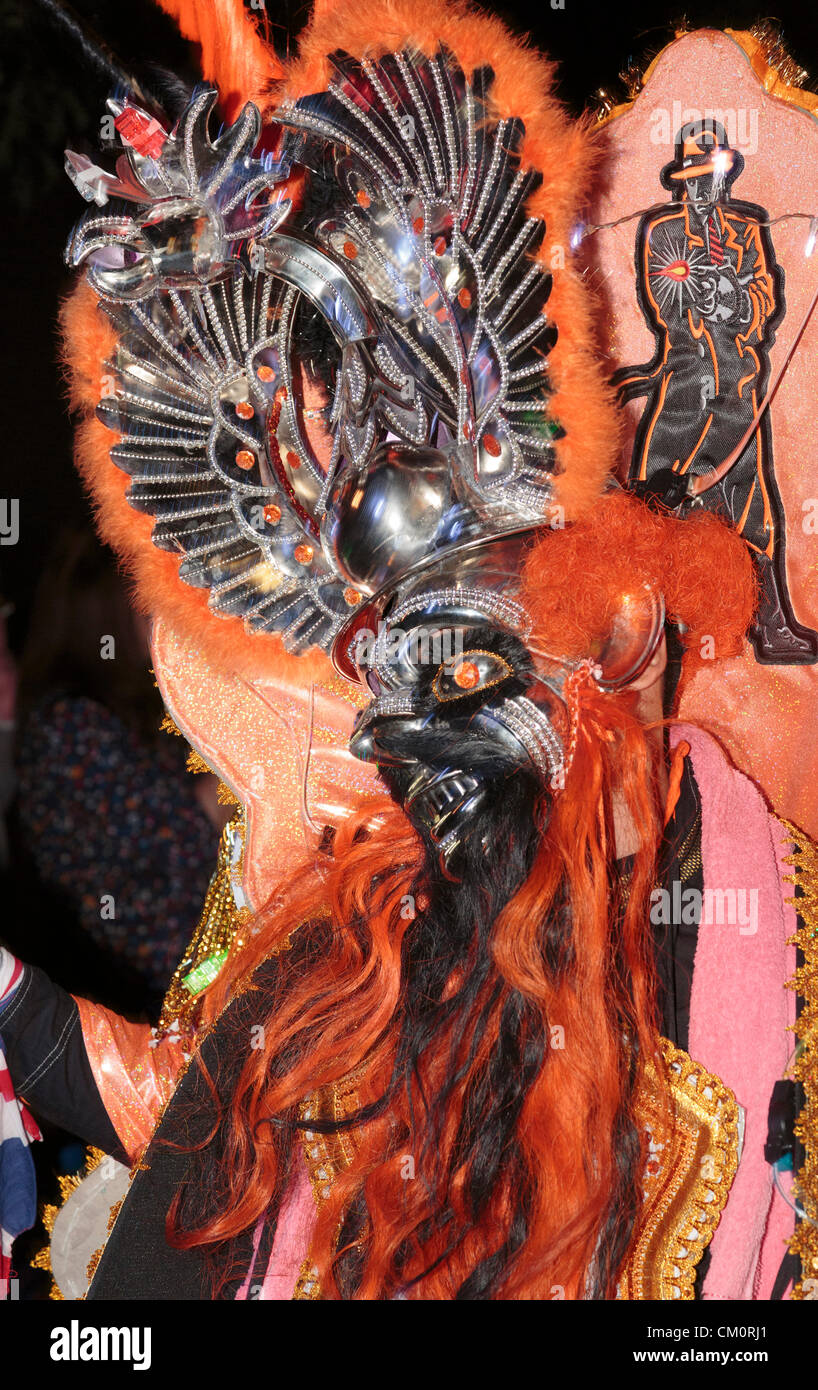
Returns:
(204, 973)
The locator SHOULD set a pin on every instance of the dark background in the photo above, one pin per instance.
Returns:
(53, 97)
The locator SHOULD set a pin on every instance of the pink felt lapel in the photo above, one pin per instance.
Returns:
(740, 1008)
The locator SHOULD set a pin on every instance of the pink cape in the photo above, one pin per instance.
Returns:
(740, 1009)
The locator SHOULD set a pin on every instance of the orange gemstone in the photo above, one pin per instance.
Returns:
(350, 250)
(467, 675)
(492, 446)
(363, 198)
(293, 460)
(464, 299)
(417, 225)
(303, 554)
(244, 410)
(265, 373)
(352, 597)
(440, 246)
(245, 459)
(272, 513)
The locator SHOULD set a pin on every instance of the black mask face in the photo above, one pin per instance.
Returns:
(449, 736)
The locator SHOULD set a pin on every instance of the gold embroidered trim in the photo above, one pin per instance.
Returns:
(327, 1155)
(307, 1285)
(196, 763)
(804, 864)
(168, 725)
(692, 1163)
(689, 1174)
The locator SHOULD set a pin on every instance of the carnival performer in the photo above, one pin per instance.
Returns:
(470, 1050)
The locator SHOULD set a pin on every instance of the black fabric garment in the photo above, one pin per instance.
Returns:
(137, 1262)
(48, 1063)
(680, 863)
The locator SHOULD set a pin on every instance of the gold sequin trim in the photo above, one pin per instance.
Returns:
(307, 1285)
(804, 864)
(692, 1163)
(169, 726)
(218, 930)
(326, 1155)
(692, 1121)
(196, 763)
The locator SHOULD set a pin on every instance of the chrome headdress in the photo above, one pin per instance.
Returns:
(419, 266)
(384, 233)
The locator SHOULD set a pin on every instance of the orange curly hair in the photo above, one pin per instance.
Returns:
(573, 578)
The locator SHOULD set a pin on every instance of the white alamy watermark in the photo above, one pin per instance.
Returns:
(740, 124)
(75, 1343)
(422, 646)
(727, 907)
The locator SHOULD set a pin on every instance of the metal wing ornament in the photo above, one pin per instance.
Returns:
(385, 237)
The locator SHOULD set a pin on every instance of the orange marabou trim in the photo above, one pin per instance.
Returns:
(135, 1080)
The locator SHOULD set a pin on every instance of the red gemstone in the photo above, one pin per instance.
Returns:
(142, 132)
(492, 446)
(467, 675)
(245, 459)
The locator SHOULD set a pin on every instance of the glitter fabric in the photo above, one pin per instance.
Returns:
(764, 715)
(135, 1073)
(280, 745)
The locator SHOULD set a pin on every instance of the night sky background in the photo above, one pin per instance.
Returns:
(52, 97)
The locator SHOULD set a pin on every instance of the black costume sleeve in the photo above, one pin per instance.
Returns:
(48, 1064)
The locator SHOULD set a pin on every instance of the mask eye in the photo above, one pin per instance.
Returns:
(470, 672)
(115, 256)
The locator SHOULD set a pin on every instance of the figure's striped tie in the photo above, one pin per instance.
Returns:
(716, 247)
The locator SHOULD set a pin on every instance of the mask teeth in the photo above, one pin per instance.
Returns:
(395, 703)
(532, 727)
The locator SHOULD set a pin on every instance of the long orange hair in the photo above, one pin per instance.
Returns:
(343, 1015)
(564, 955)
